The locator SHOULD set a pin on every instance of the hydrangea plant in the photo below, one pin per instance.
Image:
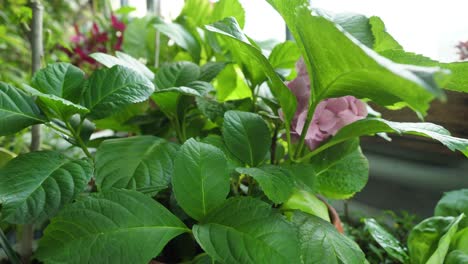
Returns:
(224, 153)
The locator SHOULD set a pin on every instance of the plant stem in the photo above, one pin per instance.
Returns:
(310, 114)
(27, 237)
(273, 145)
(78, 139)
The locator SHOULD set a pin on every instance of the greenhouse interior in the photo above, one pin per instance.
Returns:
(233, 131)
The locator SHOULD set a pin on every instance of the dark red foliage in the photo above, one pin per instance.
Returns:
(463, 50)
(83, 44)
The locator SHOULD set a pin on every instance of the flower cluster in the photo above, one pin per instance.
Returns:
(330, 114)
(96, 40)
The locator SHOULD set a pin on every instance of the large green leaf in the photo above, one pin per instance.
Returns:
(210, 70)
(456, 257)
(230, 84)
(135, 162)
(454, 203)
(383, 40)
(284, 55)
(229, 31)
(340, 65)
(341, 170)
(140, 38)
(119, 120)
(247, 136)
(201, 178)
(276, 182)
(228, 8)
(197, 11)
(17, 110)
(118, 226)
(108, 90)
(429, 241)
(357, 25)
(54, 106)
(176, 74)
(123, 60)
(60, 79)
(307, 202)
(218, 142)
(458, 80)
(320, 242)
(35, 186)
(370, 126)
(246, 230)
(181, 36)
(388, 242)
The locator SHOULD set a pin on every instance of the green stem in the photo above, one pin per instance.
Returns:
(79, 140)
(310, 114)
(58, 129)
(5, 244)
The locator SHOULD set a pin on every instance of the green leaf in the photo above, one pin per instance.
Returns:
(284, 55)
(111, 89)
(123, 60)
(135, 162)
(454, 203)
(35, 186)
(119, 120)
(201, 178)
(118, 226)
(228, 8)
(140, 38)
(354, 69)
(303, 174)
(370, 126)
(308, 203)
(320, 242)
(246, 230)
(9, 251)
(218, 142)
(388, 242)
(230, 84)
(198, 11)
(54, 106)
(357, 25)
(229, 31)
(181, 36)
(276, 183)
(429, 241)
(196, 88)
(210, 70)
(176, 74)
(60, 79)
(460, 240)
(5, 156)
(17, 110)
(383, 40)
(341, 170)
(247, 136)
(458, 80)
(456, 257)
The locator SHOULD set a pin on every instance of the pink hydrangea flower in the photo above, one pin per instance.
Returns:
(330, 115)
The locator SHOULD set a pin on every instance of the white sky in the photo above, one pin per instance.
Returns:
(429, 27)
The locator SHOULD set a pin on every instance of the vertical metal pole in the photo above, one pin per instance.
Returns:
(123, 2)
